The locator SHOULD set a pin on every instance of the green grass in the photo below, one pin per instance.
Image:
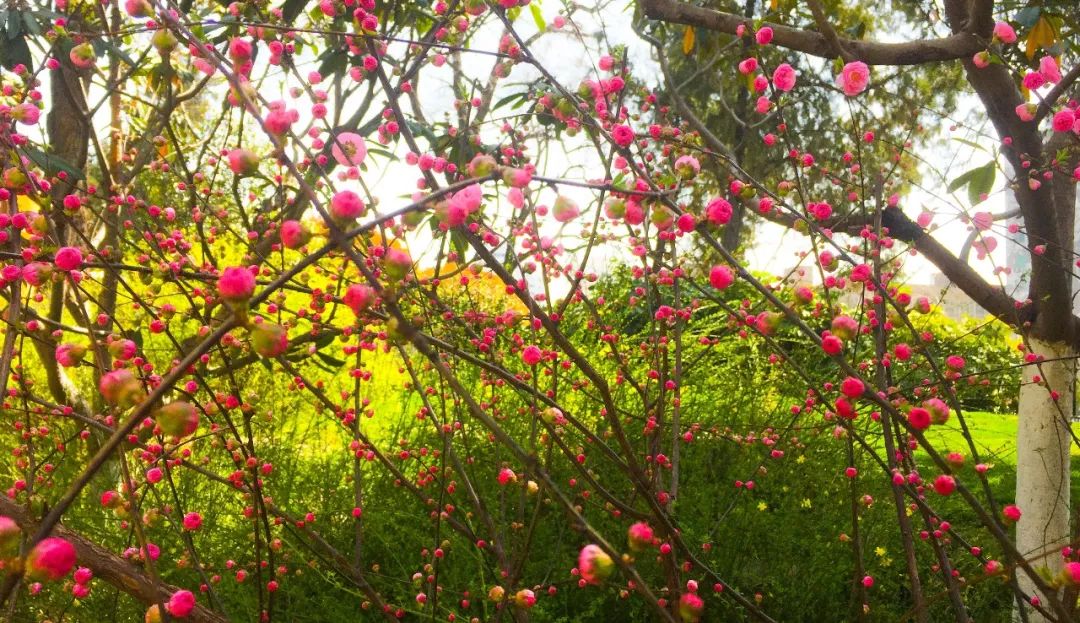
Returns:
(994, 435)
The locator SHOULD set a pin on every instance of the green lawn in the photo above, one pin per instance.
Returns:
(995, 439)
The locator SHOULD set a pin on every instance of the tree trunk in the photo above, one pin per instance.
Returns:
(1042, 461)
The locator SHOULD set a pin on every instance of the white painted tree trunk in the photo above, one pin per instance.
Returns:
(1042, 462)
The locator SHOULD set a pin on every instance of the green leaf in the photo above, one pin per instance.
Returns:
(418, 129)
(460, 244)
(333, 63)
(52, 164)
(291, 10)
(14, 52)
(971, 144)
(334, 363)
(31, 23)
(1027, 16)
(509, 98)
(538, 17)
(14, 24)
(979, 181)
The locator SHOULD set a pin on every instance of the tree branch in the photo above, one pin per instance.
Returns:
(109, 567)
(960, 45)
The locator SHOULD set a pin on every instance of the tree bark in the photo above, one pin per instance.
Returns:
(110, 568)
(1042, 462)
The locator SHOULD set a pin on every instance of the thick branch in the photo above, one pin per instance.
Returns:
(961, 45)
(109, 567)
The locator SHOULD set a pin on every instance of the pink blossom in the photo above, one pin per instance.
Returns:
(764, 35)
(955, 362)
(1063, 120)
(69, 355)
(397, 263)
(111, 499)
(280, 119)
(691, 607)
(607, 63)
(860, 273)
(852, 387)
(346, 206)
(939, 411)
(192, 521)
(981, 60)
(9, 535)
(845, 327)
(181, 604)
(68, 259)
(1071, 573)
(517, 178)
(506, 476)
(269, 339)
(525, 598)
(36, 273)
(984, 247)
(919, 418)
(721, 277)
(51, 559)
(1004, 33)
(359, 298)
(82, 56)
(154, 475)
(982, 220)
(123, 349)
(1033, 80)
(944, 484)
(687, 167)
(718, 211)
(748, 66)
(832, 345)
(762, 105)
(482, 165)
(348, 149)
(240, 50)
(120, 387)
(623, 135)
(236, 284)
(294, 235)
(1048, 68)
(243, 162)
(783, 77)
(82, 575)
(26, 113)
(854, 78)
(178, 418)
(531, 355)
(565, 209)
(594, 564)
(639, 536)
(138, 8)
(516, 198)
(462, 204)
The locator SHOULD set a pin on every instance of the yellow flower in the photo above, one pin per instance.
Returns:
(762, 506)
